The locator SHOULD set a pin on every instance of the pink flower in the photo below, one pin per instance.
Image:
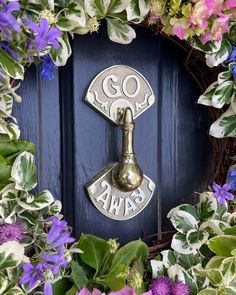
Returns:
(125, 291)
(180, 288)
(161, 286)
(230, 4)
(85, 291)
(10, 232)
(201, 13)
(219, 27)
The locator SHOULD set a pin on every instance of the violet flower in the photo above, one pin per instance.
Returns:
(10, 232)
(32, 274)
(231, 178)
(12, 53)
(59, 233)
(47, 290)
(8, 22)
(161, 286)
(232, 56)
(45, 35)
(54, 261)
(222, 194)
(47, 68)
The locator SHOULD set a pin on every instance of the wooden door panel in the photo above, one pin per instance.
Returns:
(76, 143)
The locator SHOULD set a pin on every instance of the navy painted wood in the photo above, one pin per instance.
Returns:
(75, 142)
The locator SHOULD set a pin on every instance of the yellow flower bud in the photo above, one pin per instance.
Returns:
(48, 15)
(113, 245)
(93, 25)
(136, 280)
(157, 6)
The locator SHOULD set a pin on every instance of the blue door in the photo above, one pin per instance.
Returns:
(76, 142)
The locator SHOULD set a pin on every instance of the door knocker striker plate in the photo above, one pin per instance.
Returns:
(116, 204)
(120, 86)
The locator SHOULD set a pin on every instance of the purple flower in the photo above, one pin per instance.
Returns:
(32, 274)
(45, 35)
(234, 71)
(59, 233)
(10, 232)
(47, 68)
(180, 288)
(47, 290)
(5, 47)
(231, 178)
(222, 194)
(161, 286)
(7, 20)
(232, 56)
(55, 260)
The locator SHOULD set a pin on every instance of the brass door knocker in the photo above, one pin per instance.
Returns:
(121, 190)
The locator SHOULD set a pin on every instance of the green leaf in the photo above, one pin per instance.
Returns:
(120, 32)
(11, 255)
(14, 291)
(209, 47)
(226, 75)
(187, 260)
(208, 291)
(13, 148)
(24, 172)
(72, 291)
(214, 275)
(94, 250)
(222, 94)
(228, 270)
(10, 66)
(114, 279)
(215, 262)
(206, 97)
(137, 10)
(129, 252)
(196, 238)
(5, 173)
(158, 268)
(78, 275)
(179, 244)
(222, 245)
(40, 201)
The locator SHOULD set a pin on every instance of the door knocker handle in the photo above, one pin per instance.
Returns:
(121, 190)
(127, 175)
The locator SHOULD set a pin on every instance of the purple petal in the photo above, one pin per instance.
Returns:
(44, 26)
(53, 33)
(13, 6)
(54, 43)
(27, 267)
(33, 27)
(229, 196)
(84, 291)
(25, 279)
(221, 200)
(226, 187)
(63, 239)
(47, 289)
(40, 43)
(216, 186)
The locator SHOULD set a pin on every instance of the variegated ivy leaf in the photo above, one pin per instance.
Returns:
(40, 201)
(8, 210)
(11, 255)
(187, 260)
(3, 283)
(208, 291)
(209, 47)
(137, 10)
(10, 130)
(24, 172)
(206, 97)
(11, 66)
(120, 32)
(214, 59)
(226, 75)
(61, 55)
(178, 273)
(15, 291)
(117, 6)
(223, 93)
(228, 269)
(168, 258)
(158, 268)
(215, 262)
(231, 290)
(231, 220)
(97, 8)
(214, 275)
(55, 208)
(6, 103)
(225, 126)
(206, 206)
(184, 218)
(213, 227)
(179, 244)
(72, 17)
(196, 238)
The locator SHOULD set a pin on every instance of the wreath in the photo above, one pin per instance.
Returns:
(38, 254)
